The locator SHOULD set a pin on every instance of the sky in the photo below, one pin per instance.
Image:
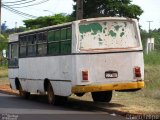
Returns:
(150, 8)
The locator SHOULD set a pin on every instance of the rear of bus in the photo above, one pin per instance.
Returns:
(108, 57)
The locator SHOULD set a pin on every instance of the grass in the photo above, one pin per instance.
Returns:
(3, 72)
(3, 75)
(152, 58)
(152, 75)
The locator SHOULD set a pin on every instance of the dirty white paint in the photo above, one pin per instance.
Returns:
(107, 35)
(33, 71)
(66, 71)
(97, 65)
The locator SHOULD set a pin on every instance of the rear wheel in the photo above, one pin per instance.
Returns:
(54, 99)
(50, 94)
(22, 93)
(104, 96)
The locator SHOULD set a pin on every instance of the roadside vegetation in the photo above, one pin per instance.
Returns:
(3, 72)
(152, 75)
(3, 75)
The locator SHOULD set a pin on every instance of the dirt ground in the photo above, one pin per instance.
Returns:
(132, 103)
(6, 89)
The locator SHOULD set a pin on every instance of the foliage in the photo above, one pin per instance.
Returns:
(47, 21)
(144, 36)
(3, 42)
(154, 34)
(3, 71)
(3, 45)
(15, 30)
(152, 80)
(101, 8)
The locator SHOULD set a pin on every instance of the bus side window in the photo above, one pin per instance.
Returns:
(53, 42)
(66, 41)
(31, 51)
(63, 34)
(13, 55)
(42, 43)
(57, 35)
(69, 34)
(23, 46)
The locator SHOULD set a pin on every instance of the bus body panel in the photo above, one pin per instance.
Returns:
(98, 64)
(31, 73)
(54, 67)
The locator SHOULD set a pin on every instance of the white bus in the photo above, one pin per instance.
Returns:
(97, 55)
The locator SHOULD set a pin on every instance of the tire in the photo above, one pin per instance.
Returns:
(54, 99)
(50, 93)
(22, 93)
(104, 96)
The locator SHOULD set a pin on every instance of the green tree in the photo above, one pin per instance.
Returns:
(14, 30)
(144, 37)
(47, 21)
(3, 45)
(101, 8)
(156, 35)
(3, 42)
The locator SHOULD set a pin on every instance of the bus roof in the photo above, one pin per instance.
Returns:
(45, 28)
(14, 37)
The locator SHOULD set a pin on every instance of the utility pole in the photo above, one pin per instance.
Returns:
(0, 14)
(79, 12)
(149, 28)
(150, 40)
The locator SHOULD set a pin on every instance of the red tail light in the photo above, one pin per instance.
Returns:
(85, 75)
(137, 71)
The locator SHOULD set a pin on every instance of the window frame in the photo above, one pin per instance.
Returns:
(25, 45)
(54, 41)
(13, 59)
(34, 40)
(41, 43)
(66, 40)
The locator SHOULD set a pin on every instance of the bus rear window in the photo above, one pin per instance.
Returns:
(108, 35)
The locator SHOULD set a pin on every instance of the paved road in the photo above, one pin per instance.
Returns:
(36, 108)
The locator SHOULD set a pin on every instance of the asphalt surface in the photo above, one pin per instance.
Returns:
(36, 108)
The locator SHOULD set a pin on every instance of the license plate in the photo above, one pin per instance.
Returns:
(111, 74)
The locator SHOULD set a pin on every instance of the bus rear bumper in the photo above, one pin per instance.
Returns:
(108, 87)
